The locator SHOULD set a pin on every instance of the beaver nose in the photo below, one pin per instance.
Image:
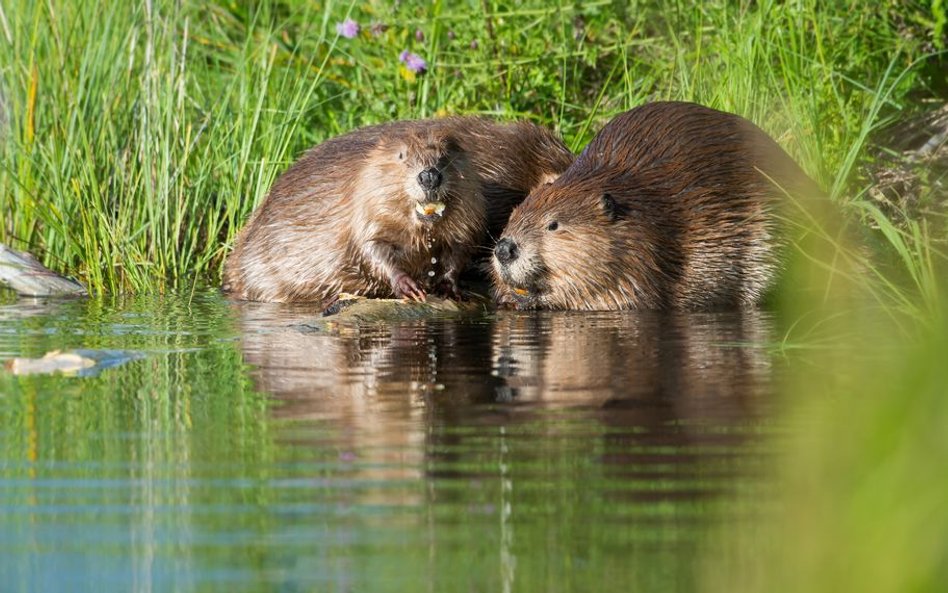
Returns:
(506, 251)
(429, 179)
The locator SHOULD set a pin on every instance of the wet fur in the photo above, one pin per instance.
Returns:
(342, 219)
(670, 206)
(512, 160)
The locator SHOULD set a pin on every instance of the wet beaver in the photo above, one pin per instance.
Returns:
(395, 209)
(672, 205)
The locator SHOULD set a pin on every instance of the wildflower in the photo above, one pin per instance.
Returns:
(348, 28)
(474, 44)
(413, 62)
(378, 28)
(419, 35)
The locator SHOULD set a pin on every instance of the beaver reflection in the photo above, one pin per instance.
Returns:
(455, 414)
(388, 385)
(378, 383)
(680, 366)
(678, 396)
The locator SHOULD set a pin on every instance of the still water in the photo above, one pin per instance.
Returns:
(239, 448)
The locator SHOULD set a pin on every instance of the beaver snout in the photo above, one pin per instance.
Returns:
(506, 251)
(429, 179)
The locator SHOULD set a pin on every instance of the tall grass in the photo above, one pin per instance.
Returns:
(141, 135)
(126, 163)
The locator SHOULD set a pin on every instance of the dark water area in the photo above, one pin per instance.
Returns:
(237, 448)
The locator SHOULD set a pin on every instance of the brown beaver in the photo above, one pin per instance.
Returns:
(672, 205)
(389, 210)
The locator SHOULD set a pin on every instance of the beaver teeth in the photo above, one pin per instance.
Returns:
(430, 209)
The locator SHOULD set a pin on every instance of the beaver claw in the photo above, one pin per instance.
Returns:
(405, 287)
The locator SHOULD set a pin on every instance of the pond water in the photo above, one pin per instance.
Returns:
(233, 447)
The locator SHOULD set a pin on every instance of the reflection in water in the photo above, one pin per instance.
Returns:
(691, 365)
(387, 385)
(658, 404)
(689, 381)
(665, 363)
(246, 450)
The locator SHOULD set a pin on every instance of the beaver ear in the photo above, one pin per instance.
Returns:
(609, 207)
(451, 143)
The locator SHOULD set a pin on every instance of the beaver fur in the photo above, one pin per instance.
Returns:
(395, 209)
(672, 205)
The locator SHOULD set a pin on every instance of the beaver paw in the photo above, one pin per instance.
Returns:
(405, 287)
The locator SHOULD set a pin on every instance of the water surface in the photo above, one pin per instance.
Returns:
(242, 450)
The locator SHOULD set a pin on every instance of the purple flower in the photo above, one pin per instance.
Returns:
(413, 62)
(419, 35)
(348, 28)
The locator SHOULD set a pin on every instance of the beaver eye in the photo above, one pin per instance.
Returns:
(401, 156)
(553, 226)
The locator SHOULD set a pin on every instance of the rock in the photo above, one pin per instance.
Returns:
(24, 274)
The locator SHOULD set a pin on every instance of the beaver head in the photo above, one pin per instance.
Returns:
(431, 171)
(565, 247)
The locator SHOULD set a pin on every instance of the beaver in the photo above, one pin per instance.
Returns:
(395, 209)
(671, 205)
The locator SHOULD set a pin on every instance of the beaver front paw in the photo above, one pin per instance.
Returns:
(405, 287)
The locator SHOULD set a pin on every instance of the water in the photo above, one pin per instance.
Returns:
(239, 450)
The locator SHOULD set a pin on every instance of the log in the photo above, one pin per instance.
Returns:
(25, 275)
(349, 309)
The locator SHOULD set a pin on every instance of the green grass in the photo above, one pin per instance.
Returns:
(141, 136)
